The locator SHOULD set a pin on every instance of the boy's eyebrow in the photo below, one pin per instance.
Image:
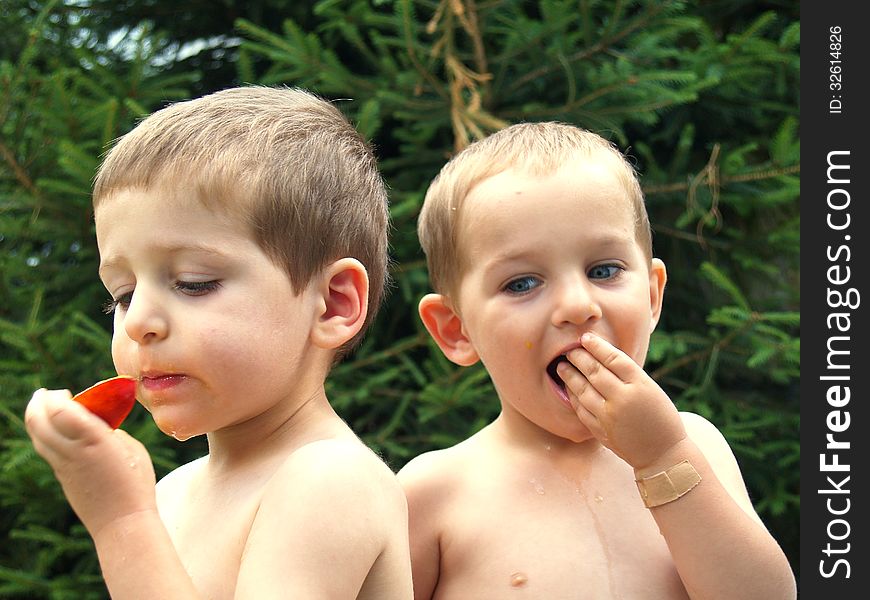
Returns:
(113, 261)
(603, 243)
(507, 257)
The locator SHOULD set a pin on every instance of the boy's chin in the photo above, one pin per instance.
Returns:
(176, 430)
(569, 429)
(578, 435)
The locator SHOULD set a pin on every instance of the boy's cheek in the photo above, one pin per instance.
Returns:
(640, 355)
(119, 358)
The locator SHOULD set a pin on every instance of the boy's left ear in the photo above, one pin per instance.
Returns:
(342, 305)
(445, 326)
(658, 276)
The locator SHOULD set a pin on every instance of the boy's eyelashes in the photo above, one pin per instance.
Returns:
(196, 288)
(110, 306)
(188, 288)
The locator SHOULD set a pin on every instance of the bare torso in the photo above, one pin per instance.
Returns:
(210, 519)
(543, 525)
(208, 527)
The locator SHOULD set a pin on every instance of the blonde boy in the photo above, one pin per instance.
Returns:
(539, 251)
(242, 238)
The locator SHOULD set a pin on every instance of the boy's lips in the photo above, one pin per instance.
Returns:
(154, 381)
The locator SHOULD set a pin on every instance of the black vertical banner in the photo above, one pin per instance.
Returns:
(835, 56)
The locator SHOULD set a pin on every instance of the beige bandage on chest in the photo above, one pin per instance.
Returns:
(668, 485)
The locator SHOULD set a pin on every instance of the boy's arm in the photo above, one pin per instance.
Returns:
(108, 478)
(326, 517)
(719, 545)
(423, 489)
(319, 530)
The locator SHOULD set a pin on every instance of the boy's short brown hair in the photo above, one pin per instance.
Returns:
(535, 148)
(282, 159)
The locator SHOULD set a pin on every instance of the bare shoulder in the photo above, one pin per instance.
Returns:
(334, 470)
(433, 482)
(699, 428)
(330, 502)
(438, 481)
(709, 440)
(718, 453)
(173, 485)
(437, 470)
(426, 466)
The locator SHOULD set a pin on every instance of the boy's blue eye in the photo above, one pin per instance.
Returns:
(522, 285)
(604, 271)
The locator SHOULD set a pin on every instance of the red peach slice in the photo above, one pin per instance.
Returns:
(110, 399)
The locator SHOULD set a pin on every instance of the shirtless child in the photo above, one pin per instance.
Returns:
(243, 240)
(539, 249)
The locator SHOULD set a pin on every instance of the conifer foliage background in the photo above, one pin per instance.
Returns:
(702, 94)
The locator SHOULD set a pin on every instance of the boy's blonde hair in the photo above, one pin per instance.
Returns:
(535, 148)
(284, 160)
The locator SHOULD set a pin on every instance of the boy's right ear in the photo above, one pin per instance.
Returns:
(445, 327)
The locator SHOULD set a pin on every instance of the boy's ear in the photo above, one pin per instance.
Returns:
(342, 305)
(658, 276)
(445, 327)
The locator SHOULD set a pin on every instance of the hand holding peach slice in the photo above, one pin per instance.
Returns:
(110, 399)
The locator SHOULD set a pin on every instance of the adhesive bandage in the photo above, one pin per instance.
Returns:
(668, 485)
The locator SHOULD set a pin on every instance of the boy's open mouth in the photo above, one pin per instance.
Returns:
(551, 371)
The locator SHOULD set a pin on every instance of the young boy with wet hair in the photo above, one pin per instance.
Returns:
(589, 483)
(243, 241)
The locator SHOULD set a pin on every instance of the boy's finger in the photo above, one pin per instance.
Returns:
(34, 407)
(607, 383)
(589, 418)
(45, 438)
(71, 420)
(56, 424)
(612, 358)
(586, 417)
(37, 422)
(585, 393)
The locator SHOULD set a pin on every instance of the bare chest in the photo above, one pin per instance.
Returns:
(209, 534)
(550, 539)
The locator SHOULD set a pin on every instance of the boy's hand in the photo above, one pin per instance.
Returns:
(620, 403)
(105, 474)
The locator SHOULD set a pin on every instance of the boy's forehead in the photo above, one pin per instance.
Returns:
(169, 194)
(517, 182)
(172, 205)
(502, 205)
(531, 167)
(138, 220)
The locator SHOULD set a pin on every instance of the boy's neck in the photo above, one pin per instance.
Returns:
(275, 433)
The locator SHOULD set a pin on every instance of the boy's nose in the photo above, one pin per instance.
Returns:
(575, 305)
(144, 320)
